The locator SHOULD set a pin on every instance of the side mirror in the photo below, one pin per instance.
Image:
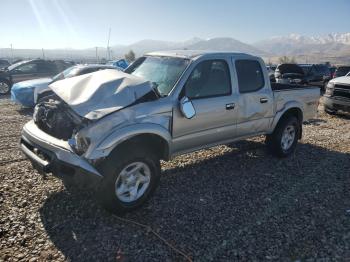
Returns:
(187, 108)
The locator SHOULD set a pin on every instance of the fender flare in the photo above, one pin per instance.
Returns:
(280, 114)
(121, 135)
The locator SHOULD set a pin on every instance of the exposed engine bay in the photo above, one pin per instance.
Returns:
(55, 117)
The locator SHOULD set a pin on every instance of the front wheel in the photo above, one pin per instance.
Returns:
(283, 141)
(5, 87)
(130, 178)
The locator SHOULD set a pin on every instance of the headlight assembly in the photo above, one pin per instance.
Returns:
(330, 89)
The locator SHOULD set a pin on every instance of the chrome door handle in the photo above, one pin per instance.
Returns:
(230, 106)
(263, 100)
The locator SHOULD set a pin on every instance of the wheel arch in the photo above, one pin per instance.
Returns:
(152, 136)
(293, 110)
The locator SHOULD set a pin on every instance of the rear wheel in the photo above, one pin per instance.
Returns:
(130, 178)
(283, 141)
(5, 87)
(330, 111)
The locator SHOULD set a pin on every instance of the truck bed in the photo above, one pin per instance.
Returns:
(305, 96)
(280, 86)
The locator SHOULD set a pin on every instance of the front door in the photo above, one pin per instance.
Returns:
(209, 87)
(24, 72)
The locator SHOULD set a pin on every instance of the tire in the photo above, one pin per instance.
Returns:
(330, 111)
(5, 87)
(279, 143)
(120, 162)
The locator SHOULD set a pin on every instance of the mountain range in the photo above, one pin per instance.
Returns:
(334, 47)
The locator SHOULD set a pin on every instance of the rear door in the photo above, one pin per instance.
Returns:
(209, 87)
(255, 104)
(46, 69)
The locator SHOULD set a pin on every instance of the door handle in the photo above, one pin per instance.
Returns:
(263, 100)
(230, 106)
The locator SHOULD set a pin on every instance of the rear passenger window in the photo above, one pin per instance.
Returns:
(209, 79)
(250, 76)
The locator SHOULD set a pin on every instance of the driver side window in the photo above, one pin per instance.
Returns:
(29, 68)
(210, 78)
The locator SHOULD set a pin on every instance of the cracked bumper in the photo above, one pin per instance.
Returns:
(51, 155)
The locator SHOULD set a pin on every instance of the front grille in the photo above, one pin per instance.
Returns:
(341, 86)
(344, 93)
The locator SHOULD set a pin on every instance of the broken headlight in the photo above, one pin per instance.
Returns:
(79, 144)
(329, 89)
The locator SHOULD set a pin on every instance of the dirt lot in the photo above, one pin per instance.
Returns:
(228, 203)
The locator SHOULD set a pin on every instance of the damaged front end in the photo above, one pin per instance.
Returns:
(55, 117)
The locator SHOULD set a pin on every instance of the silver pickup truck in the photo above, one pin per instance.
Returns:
(112, 128)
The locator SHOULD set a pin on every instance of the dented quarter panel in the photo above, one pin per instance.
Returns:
(304, 99)
(150, 117)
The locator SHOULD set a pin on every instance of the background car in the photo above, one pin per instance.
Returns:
(121, 64)
(341, 71)
(4, 63)
(26, 70)
(27, 93)
(316, 74)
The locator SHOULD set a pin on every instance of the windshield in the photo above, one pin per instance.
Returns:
(69, 72)
(162, 71)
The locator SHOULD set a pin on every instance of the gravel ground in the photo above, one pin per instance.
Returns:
(231, 203)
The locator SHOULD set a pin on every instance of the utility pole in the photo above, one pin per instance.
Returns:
(11, 54)
(96, 55)
(108, 56)
(42, 49)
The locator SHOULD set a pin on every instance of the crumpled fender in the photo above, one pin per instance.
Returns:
(105, 147)
(280, 113)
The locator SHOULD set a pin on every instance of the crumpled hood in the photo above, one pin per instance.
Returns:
(100, 93)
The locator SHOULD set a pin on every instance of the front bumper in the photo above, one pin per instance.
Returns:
(336, 103)
(51, 155)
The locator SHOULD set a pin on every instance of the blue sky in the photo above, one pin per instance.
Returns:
(85, 23)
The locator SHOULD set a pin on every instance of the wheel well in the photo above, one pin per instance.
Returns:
(296, 112)
(151, 141)
(293, 112)
(6, 80)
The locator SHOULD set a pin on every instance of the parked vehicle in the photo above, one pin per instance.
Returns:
(317, 74)
(121, 64)
(341, 71)
(271, 72)
(290, 74)
(26, 70)
(27, 93)
(112, 128)
(4, 63)
(337, 95)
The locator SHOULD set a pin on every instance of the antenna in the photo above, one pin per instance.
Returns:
(108, 55)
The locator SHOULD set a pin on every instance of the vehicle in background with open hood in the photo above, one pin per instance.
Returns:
(290, 74)
(112, 128)
(27, 93)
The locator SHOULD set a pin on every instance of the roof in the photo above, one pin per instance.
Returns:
(194, 53)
